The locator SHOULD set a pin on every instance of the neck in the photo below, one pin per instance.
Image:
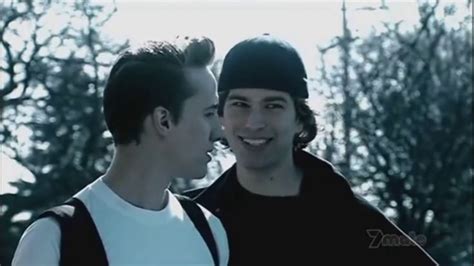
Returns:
(280, 179)
(136, 178)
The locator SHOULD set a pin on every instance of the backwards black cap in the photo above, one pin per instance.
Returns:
(264, 62)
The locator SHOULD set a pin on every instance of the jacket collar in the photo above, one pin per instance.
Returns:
(319, 181)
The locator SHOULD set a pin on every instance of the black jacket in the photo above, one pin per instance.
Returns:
(341, 226)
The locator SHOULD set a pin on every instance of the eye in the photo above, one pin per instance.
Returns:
(211, 114)
(274, 106)
(239, 104)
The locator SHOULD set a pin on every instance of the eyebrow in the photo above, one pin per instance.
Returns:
(275, 99)
(212, 107)
(237, 97)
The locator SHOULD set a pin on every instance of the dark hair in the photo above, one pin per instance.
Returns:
(148, 76)
(307, 118)
(304, 115)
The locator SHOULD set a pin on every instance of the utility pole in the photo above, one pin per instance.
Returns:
(346, 104)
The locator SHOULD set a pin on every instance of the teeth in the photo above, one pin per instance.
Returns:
(255, 142)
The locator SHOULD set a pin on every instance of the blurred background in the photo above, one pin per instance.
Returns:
(391, 82)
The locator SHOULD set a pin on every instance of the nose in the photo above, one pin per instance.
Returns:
(255, 120)
(216, 132)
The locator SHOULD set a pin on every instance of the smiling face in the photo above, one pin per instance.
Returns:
(198, 127)
(260, 126)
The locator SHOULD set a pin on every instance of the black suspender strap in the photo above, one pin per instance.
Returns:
(80, 240)
(200, 222)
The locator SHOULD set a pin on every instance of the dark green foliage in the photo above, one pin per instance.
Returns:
(407, 108)
(57, 91)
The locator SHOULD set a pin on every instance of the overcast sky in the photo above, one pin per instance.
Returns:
(305, 24)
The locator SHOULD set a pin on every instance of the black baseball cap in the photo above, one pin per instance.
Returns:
(265, 62)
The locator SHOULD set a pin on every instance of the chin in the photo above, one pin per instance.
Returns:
(254, 164)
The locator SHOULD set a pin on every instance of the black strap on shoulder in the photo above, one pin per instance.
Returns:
(200, 222)
(80, 240)
(81, 243)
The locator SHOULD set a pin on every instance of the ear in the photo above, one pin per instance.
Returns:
(162, 120)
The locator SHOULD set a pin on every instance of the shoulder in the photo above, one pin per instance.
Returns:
(219, 234)
(92, 192)
(42, 227)
(217, 193)
(368, 212)
(213, 221)
(217, 228)
(39, 244)
(384, 239)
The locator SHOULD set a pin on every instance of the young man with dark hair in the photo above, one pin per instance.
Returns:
(281, 205)
(160, 105)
